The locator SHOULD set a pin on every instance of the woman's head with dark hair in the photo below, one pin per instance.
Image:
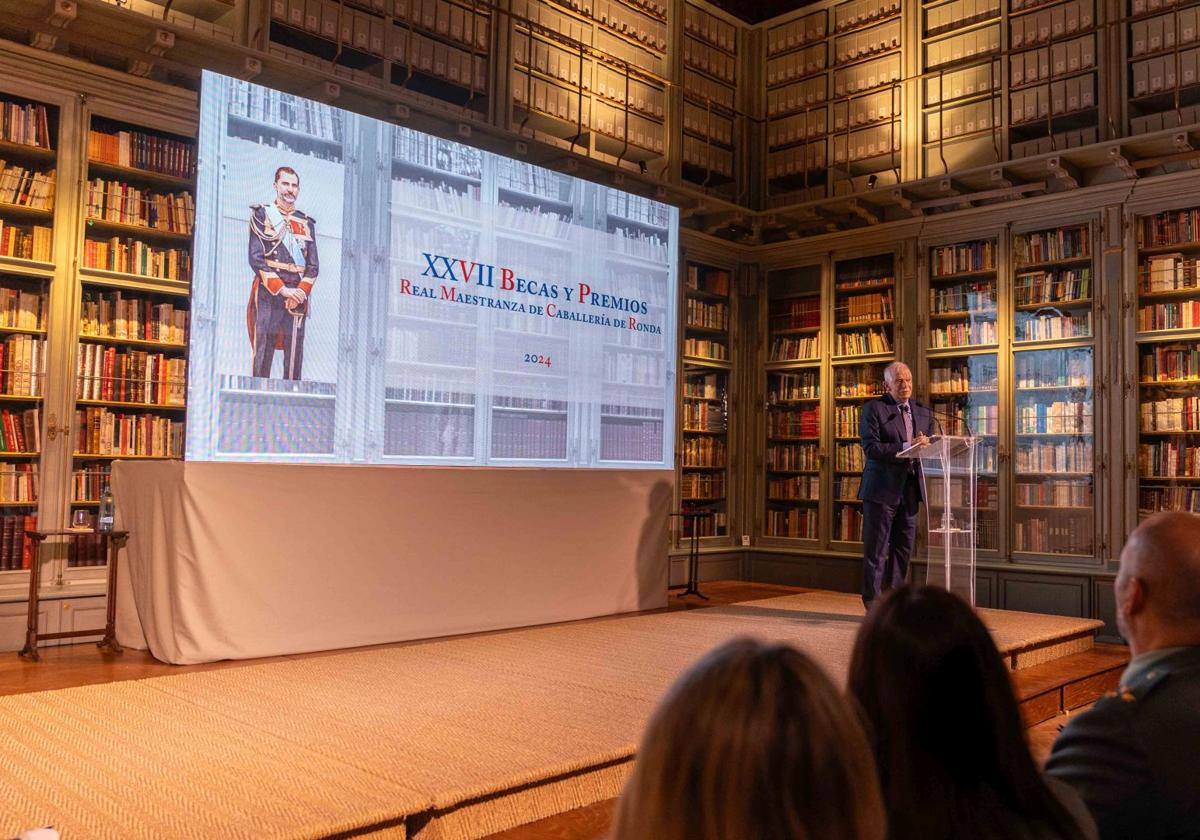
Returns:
(753, 741)
(940, 712)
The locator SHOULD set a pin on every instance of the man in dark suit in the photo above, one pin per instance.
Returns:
(892, 488)
(1133, 756)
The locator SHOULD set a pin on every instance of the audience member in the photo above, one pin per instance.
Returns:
(1133, 755)
(940, 711)
(753, 741)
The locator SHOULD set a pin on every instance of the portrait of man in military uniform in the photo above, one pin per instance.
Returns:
(283, 257)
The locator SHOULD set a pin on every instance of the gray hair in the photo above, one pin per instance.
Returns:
(889, 372)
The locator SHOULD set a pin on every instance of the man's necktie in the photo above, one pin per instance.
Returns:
(908, 423)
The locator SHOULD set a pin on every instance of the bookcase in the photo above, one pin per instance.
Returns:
(1054, 393)
(711, 125)
(961, 84)
(1167, 334)
(797, 115)
(589, 76)
(134, 272)
(436, 50)
(1163, 64)
(962, 366)
(29, 142)
(864, 317)
(1055, 95)
(704, 450)
(795, 463)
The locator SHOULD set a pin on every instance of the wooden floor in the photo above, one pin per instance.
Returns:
(1047, 693)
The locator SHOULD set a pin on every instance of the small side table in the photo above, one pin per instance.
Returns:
(114, 541)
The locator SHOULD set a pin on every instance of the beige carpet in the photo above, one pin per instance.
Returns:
(446, 739)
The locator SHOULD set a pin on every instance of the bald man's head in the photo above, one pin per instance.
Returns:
(1159, 579)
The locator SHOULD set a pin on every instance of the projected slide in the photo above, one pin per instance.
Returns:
(365, 293)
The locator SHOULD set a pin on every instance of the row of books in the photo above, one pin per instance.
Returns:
(848, 458)
(440, 196)
(713, 62)
(449, 19)
(22, 366)
(796, 33)
(1056, 60)
(1052, 24)
(132, 256)
(1050, 457)
(536, 403)
(88, 482)
(25, 243)
(848, 524)
(1170, 363)
(804, 95)
(99, 431)
(116, 201)
(702, 154)
(699, 313)
(120, 315)
(1065, 494)
(796, 65)
(1168, 273)
(947, 261)
(1182, 315)
(271, 107)
(975, 298)
(793, 456)
(1054, 369)
(862, 342)
(796, 313)
(804, 347)
(615, 410)
(1170, 414)
(19, 482)
(1056, 417)
(428, 388)
(957, 14)
(22, 310)
(21, 431)
(24, 124)
(788, 387)
(859, 78)
(796, 523)
(794, 487)
(794, 423)
(1050, 245)
(986, 493)
(104, 373)
(437, 153)
(984, 418)
(703, 348)
(1169, 459)
(864, 43)
(695, 486)
(846, 420)
(1046, 325)
(704, 451)
(624, 440)
(963, 335)
(628, 368)
(536, 220)
(1172, 227)
(1062, 286)
(1155, 499)
(415, 431)
(847, 487)
(716, 525)
(87, 549)
(707, 123)
(709, 386)
(16, 549)
(858, 381)
(704, 417)
(534, 180)
(976, 374)
(1065, 534)
(140, 150)
(639, 243)
(26, 187)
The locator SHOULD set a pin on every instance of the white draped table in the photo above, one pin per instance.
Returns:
(233, 561)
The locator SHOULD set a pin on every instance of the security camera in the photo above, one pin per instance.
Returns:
(872, 180)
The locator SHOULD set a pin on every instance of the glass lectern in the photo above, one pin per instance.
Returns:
(948, 465)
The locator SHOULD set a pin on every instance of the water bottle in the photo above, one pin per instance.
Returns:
(104, 519)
